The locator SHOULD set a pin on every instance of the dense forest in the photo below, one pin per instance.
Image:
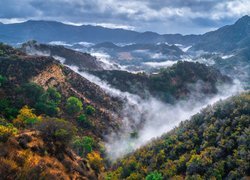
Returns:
(213, 144)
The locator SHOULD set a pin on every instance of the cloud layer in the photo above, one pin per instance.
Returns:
(164, 16)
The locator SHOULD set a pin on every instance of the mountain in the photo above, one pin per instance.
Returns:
(226, 38)
(177, 82)
(47, 31)
(213, 144)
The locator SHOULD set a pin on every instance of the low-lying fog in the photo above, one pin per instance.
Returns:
(158, 117)
(153, 117)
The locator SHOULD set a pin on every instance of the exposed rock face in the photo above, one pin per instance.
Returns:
(52, 76)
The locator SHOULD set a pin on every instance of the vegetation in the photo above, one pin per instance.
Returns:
(83, 145)
(26, 118)
(154, 176)
(6, 130)
(96, 161)
(214, 144)
(175, 82)
(73, 106)
(84, 121)
(90, 110)
(2, 80)
(48, 102)
(56, 131)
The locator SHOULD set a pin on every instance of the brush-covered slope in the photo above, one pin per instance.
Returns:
(47, 72)
(176, 82)
(213, 144)
(52, 120)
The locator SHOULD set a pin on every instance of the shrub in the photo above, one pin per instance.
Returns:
(96, 161)
(7, 131)
(32, 91)
(83, 145)
(57, 131)
(48, 102)
(90, 110)
(73, 106)
(83, 121)
(7, 110)
(49, 109)
(51, 95)
(154, 176)
(26, 118)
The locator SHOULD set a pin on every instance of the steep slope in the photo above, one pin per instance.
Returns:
(176, 82)
(212, 144)
(53, 122)
(21, 69)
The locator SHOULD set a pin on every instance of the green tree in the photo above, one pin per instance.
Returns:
(154, 176)
(48, 102)
(83, 145)
(32, 91)
(56, 131)
(84, 121)
(90, 110)
(73, 106)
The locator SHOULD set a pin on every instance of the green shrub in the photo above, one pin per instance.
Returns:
(154, 176)
(73, 106)
(7, 109)
(48, 102)
(90, 110)
(83, 121)
(57, 131)
(32, 91)
(48, 108)
(83, 145)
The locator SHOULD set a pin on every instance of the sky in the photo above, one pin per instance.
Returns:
(162, 16)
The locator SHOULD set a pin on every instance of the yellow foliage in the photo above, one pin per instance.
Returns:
(26, 117)
(6, 132)
(96, 161)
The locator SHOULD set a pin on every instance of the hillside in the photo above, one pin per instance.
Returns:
(21, 69)
(53, 122)
(212, 144)
(176, 82)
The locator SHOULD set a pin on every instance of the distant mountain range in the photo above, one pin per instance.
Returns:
(225, 38)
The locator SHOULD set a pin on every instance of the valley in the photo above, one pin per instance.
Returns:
(88, 102)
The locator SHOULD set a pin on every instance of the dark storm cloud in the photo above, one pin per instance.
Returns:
(164, 16)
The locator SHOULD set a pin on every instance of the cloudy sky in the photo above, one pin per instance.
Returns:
(162, 16)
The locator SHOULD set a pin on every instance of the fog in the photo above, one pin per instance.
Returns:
(151, 118)
(145, 119)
